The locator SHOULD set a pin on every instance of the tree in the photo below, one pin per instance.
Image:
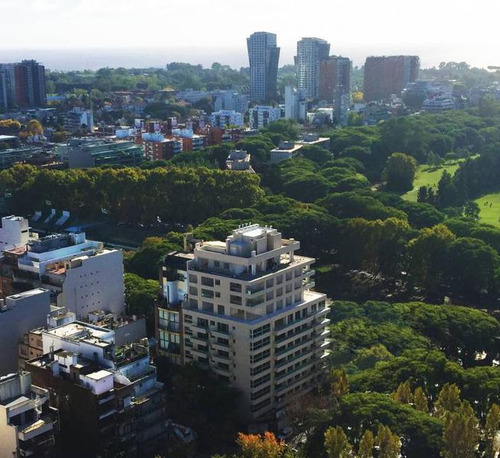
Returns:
(257, 446)
(403, 393)
(338, 382)
(491, 430)
(471, 210)
(448, 400)
(388, 443)
(420, 400)
(460, 434)
(366, 445)
(336, 443)
(428, 254)
(34, 127)
(400, 172)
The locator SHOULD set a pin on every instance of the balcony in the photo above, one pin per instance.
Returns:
(283, 362)
(296, 333)
(34, 430)
(286, 375)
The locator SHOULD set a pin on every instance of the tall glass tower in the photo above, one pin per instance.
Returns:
(263, 56)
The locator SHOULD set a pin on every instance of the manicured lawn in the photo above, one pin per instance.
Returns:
(489, 206)
(429, 176)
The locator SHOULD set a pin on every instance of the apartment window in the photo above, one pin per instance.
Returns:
(235, 287)
(193, 291)
(193, 278)
(221, 310)
(217, 282)
(193, 303)
(259, 381)
(260, 343)
(223, 327)
(205, 281)
(260, 393)
(207, 293)
(260, 331)
(260, 368)
(260, 356)
(207, 307)
(269, 283)
(188, 318)
(222, 341)
(216, 263)
(202, 323)
(235, 300)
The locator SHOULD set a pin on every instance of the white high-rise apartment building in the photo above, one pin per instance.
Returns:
(250, 316)
(310, 52)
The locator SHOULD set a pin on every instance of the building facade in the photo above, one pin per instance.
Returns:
(28, 425)
(22, 84)
(19, 314)
(260, 116)
(263, 56)
(82, 274)
(113, 389)
(249, 315)
(310, 52)
(387, 75)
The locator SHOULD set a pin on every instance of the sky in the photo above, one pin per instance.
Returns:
(79, 34)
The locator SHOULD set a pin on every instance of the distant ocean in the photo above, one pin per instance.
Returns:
(93, 59)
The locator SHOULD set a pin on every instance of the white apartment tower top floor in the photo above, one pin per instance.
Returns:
(251, 317)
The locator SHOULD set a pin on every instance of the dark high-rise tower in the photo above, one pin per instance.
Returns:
(263, 56)
(386, 75)
(310, 53)
(30, 84)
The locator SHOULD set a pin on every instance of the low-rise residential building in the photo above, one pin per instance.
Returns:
(28, 425)
(79, 120)
(93, 152)
(260, 116)
(239, 160)
(157, 147)
(226, 118)
(285, 150)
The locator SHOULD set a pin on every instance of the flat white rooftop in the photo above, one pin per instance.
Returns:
(99, 375)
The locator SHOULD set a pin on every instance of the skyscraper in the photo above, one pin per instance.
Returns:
(335, 85)
(263, 56)
(30, 84)
(310, 52)
(386, 75)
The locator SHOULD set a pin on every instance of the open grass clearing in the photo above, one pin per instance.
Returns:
(489, 206)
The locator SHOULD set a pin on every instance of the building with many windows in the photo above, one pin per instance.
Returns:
(106, 392)
(248, 313)
(310, 52)
(22, 84)
(263, 56)
(93, 152)
(387, 75)
(335, 85)
(260, 116)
